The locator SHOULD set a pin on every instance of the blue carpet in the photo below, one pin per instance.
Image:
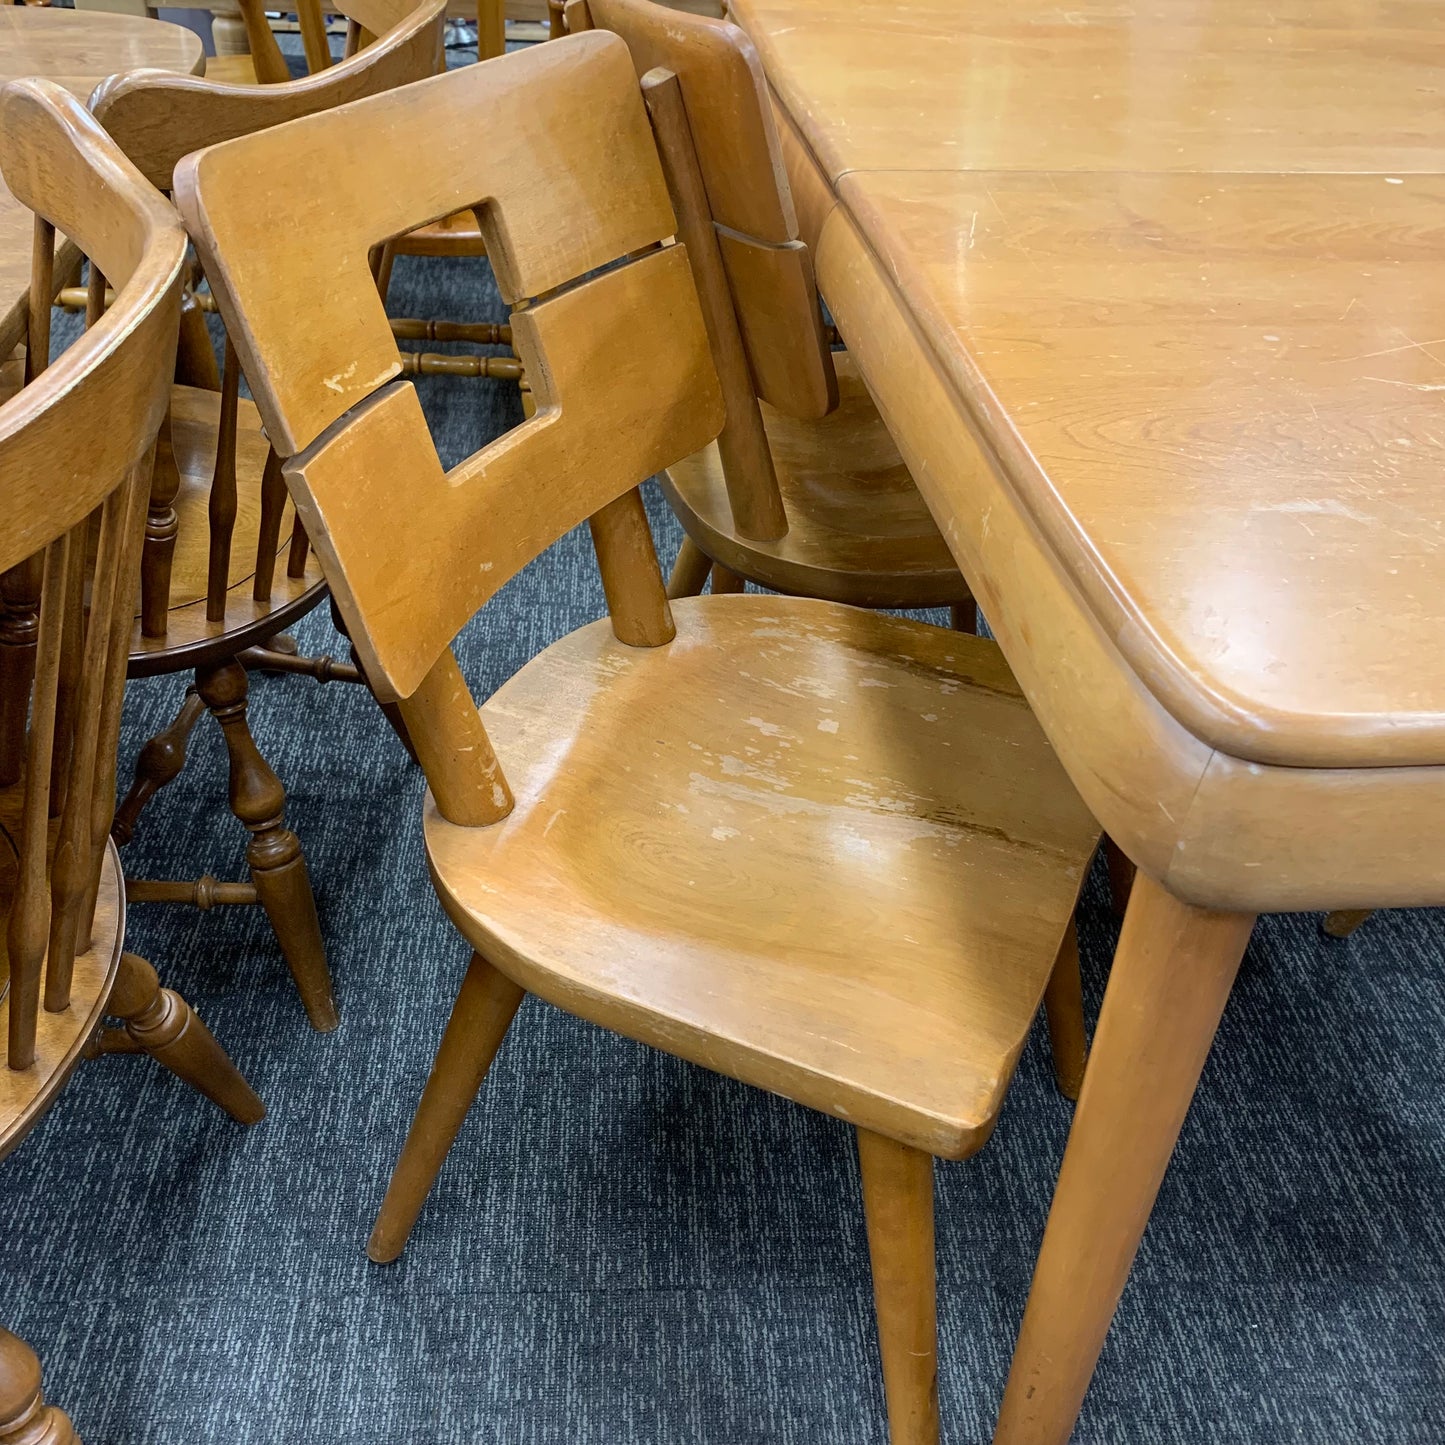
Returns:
(624, 1248)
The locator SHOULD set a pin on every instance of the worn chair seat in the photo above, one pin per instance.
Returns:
(858, 530)
(195, 421)
(801, 844)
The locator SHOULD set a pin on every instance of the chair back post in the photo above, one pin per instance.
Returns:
(747, 461)
(769, 269)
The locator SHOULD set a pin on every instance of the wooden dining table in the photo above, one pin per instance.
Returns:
(76, 49)
(1151, 297)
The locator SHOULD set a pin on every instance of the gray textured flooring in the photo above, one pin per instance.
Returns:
(624, 1248)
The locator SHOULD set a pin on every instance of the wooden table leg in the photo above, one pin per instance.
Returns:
(1172, 974)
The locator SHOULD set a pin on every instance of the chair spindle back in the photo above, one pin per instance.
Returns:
(75, 450)
(606, 318)
(157, 117)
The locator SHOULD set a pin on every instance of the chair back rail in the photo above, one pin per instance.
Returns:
(606, 318)
(75, 452)
(156, 118)
(769, 270)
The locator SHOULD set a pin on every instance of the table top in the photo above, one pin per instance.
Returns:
(1180, 261)
(76, 49)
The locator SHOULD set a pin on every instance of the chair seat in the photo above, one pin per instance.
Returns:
(859, 531)
(454, 235)
(231, 69)
(25, 1094)
(824, 851)
(195, 420)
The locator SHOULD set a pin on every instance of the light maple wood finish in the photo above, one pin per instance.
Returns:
(225, 567)
(1073, 273)
(78, 50)
(822, 850)
(847, 523)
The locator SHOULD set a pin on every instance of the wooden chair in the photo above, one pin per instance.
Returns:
(821, 850)
(76, 443)
(225, 568)
(805, 492)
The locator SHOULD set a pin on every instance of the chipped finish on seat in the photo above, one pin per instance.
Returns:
(734, 892)
(821, 850)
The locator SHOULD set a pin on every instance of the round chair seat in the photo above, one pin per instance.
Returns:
(25, 1094)
(859, 532)
(190, 638)
(825, 851)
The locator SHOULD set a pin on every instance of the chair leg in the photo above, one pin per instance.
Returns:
(486, 1005)
(278, 868)
(726, 581)
(1343, 921)
(159, 762)
(163, 1024)
(25, 1418)
(689, 572)
(963, 616)
(898, 1203)
(1064, 1007)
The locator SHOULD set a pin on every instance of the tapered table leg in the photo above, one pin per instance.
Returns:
(1172, 974)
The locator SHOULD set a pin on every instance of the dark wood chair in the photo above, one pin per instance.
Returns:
(824, 851)
(76, 444)
(804, 492)
(225, 568)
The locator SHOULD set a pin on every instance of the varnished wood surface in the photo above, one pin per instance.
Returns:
(76, 49)
(1212, 395)
(859, 531)
(188, 631)
(838, 847)
(1155, 86)
(25, 1094)
(1219, 399)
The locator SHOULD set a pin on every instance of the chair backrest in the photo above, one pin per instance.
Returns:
(769, 270)
(75, 448)
(605, 315)
(157, 117)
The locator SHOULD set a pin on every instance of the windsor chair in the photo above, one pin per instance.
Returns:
(804, 492)
(76, 442)
(821, 850)
(225, 567)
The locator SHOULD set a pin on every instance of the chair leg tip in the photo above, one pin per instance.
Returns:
(380, 1250)
(323, 1016)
